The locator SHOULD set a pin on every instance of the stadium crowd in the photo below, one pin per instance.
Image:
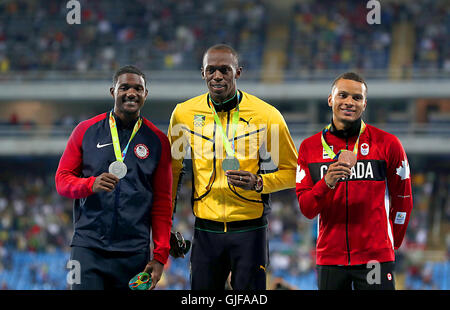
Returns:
(36, 223)
(154, 34)
(432, 26)
(166, 35)
(331, 35)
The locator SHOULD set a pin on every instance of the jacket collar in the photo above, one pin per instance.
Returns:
(121, 125)
(228, 106)
(346, 133)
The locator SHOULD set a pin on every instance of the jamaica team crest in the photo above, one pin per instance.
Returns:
(199, 120)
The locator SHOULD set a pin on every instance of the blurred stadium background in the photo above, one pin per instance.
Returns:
(54, 75)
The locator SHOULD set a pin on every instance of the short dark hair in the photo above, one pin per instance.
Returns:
(349, 76)
(222, 47)
(128, 69)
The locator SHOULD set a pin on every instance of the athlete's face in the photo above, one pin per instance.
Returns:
(129, 94)
(220, 71)
(348, 101)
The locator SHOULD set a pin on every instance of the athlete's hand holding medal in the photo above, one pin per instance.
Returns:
(243, 179)
(346, 159)
(340, 169)
(107, 181)
(230, 164)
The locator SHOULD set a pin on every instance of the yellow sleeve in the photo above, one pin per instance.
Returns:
(177, 139)
(283, 154)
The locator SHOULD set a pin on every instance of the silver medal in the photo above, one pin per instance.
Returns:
(118, 168)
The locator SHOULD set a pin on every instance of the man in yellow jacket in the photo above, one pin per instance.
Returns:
(241, 151)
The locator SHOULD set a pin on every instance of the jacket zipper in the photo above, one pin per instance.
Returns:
(224, 211)
(114, 218)
(346, 213)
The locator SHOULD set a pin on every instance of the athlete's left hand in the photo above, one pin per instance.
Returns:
(155, 270)
(240, 178)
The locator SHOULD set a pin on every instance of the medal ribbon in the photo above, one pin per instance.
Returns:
(229, 147)
(327, 148)
(120, 155)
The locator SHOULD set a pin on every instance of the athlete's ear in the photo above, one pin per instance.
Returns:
(202, 70)
(145, 95)
(365, 96)
(111, 91)
(238, 73)
(330, 100)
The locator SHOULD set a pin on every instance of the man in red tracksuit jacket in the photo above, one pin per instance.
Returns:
(363, 210)
(117, 168)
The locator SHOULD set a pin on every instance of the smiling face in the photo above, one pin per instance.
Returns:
(129, 95)
(220, 71)
(347, 101)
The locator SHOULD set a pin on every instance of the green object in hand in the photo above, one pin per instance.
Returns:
(141, 281)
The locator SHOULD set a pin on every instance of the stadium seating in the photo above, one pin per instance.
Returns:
(162, 35)
(165, 35)
(169, 35)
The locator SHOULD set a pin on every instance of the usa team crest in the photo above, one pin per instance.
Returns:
(141, 151)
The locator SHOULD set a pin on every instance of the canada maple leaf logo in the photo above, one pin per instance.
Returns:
(300, 174)
(403, 171)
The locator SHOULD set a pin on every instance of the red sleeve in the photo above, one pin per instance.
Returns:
(399, 186)
(162, 202)
(67, 179)
(309, 195)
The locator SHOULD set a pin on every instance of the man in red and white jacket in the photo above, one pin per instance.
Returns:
(118, 215)
(363, 210)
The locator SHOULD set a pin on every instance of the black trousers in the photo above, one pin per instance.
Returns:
(360, 277)
(215, 255)
(104, 270)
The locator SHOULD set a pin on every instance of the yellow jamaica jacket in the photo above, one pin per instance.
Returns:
(262, 144)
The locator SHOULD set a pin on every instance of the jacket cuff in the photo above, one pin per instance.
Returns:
(160, 258)
(322, 187)
(91, 184)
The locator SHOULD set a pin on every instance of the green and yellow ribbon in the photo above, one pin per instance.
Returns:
(120, 155)
(229, 147)
(327, 148)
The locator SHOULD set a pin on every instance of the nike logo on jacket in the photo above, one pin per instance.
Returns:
(99, 146)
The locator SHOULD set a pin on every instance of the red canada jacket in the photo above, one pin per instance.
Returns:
(365, 217)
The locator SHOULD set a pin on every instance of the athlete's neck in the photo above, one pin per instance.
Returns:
(220, 101)
(226, 104)
(344, 129)
(126, 119)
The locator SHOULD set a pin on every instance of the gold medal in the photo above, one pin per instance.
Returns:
(230, 163)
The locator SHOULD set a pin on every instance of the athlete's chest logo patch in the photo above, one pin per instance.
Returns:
(199, 120)
(364, 149)
(141, 151)
(245, 121)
